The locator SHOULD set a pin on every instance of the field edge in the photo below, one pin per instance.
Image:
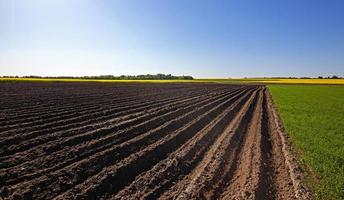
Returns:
(291, 155)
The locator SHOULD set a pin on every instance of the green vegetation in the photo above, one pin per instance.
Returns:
(313, 116)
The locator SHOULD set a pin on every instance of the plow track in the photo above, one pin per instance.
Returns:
(131, 141)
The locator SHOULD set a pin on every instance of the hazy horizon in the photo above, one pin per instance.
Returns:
(205, 39)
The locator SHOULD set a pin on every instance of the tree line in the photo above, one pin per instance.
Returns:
(112, 77)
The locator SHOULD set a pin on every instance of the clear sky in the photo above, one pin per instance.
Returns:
(214, 38)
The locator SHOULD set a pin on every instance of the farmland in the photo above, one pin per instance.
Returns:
(112, 141)
(313, 117)
(312, 81)
(295, 81)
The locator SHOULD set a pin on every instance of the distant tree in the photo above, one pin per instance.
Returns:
(122, 77)
(320, 77)
(334, 77)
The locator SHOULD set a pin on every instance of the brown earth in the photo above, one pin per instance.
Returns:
(152, 141)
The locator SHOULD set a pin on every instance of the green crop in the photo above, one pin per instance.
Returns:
(313, 116)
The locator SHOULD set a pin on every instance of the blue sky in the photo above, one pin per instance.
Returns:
(215, 38)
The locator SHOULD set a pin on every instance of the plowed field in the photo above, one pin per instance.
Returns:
(129, 141)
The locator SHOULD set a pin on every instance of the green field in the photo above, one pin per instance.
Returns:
(313, 116)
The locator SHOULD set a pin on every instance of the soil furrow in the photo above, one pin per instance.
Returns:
(123, 101)
(113, 114)
(87, 167)
(75, 115)
(47, 162)
(187, 187)
(149, 118)
(147, 157)
(153, 183)
(244, 181)
(143, 141)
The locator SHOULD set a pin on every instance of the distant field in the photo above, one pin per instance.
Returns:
(215, 80)
(277, 81)
(91, 80)
(300, 81)
(123, 81)
(314, 118)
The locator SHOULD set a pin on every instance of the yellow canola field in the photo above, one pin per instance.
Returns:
(213, 80)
